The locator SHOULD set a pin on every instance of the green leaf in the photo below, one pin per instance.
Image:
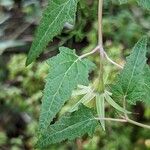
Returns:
(55, 16)
(130, 81)
(100, 105)
(114, 104)
(147, 84)
(70, 126)
(67, 71)
(144, 3)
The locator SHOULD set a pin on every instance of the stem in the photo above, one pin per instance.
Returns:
(111, 61)
(137, 123)
(125, 120)
(112, 119)
(90, 53)
(101, 86)
(100, 13)
(103, 54)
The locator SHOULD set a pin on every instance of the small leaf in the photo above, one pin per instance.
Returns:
(70, 126)
(130, 81)
(114, 104)
(54, 18)
(66, 72)
(100, 105)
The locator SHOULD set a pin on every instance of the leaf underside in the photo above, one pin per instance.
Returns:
(58, 12)
(130, 81)
(66, 72)
(70, 126)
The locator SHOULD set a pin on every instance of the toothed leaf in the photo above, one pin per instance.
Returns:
(70, 126)
(67, 71)
(57, 13)
(130, 81)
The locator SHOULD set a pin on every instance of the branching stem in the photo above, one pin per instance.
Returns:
(103, 55)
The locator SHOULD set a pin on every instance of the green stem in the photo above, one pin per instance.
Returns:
(89, 53)
(137, 123)
(100, 13)
(126, 120)
(101, 86)
(112, 119)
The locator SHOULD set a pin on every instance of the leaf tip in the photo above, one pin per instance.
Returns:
(29, 59)
(28, 62)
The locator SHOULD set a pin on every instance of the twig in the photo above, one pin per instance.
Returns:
(112, 119)
(127, 120)
(111, 61)
(90, 53)
(137, 123)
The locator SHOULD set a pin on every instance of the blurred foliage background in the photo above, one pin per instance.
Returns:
(21, 87)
